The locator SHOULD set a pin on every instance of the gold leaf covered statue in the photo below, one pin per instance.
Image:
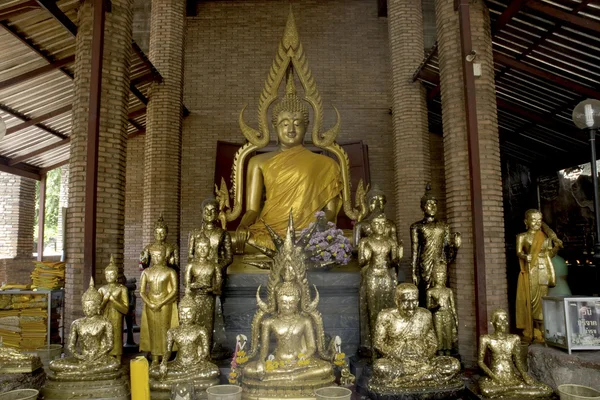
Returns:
(292, 176)
(90, 372)
(300, 361)
(432, 245)
(115, 305)
(440, 301)
(192, 364)
(158, 290)
(406, 340)
(378, 255)
(203, 281)
(14, 362)
(506, 376)
(535, 248)
(375, 200)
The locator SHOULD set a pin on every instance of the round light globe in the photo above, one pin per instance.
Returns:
(2, 128)
(586, 115)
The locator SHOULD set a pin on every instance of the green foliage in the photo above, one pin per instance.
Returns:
(51, 229)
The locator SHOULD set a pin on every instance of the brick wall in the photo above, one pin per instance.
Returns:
(17, 213)
(63, 203)
(134, 202)
(229, 49)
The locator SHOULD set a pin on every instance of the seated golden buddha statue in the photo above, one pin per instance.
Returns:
(506, 376)
(291, 177)
(90, 371)
(192, 364)
(300, 361)
(406, 339)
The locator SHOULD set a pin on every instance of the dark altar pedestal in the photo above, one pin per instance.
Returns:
(338, 291)
(555, 367)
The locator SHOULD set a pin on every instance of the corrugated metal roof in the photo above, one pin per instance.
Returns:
(547, 59)
(36, 84)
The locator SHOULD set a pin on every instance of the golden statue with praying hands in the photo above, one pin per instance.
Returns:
(506, 375)
(292, 177)
(115, 305)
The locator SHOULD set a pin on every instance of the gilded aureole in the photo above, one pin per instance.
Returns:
(535, 249)
(406, 340)
(378, 255)
(440, 301)
(300, 361)
(432, 245)
(158, 290)
(192, 365)
(506, 375)
(115, 305)
(203, 282)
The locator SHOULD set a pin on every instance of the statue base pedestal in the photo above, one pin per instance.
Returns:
(289, 390)
(338, 291)
(555, 367)
(473, 393)
(23, 380)
(106, 389)
(451, 390)
(200, 386)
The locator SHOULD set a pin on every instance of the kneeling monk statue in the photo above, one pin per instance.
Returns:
(191, 365)
(90, 372)
(406, 339)
(503, 380)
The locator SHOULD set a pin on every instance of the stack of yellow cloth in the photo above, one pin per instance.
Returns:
(10, 329)
(33, 328)
(24, 301)
(48, 275)
(8, 286)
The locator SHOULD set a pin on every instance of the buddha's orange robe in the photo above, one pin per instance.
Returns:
(300, 180)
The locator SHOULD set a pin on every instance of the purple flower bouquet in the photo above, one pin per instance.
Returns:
(327, 245)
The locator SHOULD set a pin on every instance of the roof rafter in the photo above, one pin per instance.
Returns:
(17, 9)
(24, 170)
(20, 159)
(59, 164)
(41, 118)
(36, 72)
(555, 12)
(25, 118)
(52, 8)
(513, 9)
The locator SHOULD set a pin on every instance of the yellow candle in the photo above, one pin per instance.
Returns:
(140, 386)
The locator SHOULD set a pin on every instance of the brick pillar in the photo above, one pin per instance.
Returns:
(17, 214)
(162, 158)
(458, 196)
(111, 152)
(411, 133)
(63, 203)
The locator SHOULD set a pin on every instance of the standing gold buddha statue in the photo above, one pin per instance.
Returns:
(301, 361)
(405, 338)
(90, 372)
(220, 240)
(440, 301)
(506, 375)
(115, 305)
(378, 255)
(431, 244)
(203, 281)
(535, 250)
(375, 202)
(192, 365)
(158, 290)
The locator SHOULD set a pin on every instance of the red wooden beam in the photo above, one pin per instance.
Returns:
(509, 12)
(17, 9)
(24, 170)
(155, 74)
(37, 120)
(45, 170)
(25, 118)
(559, 80)
(61, 17)
(41, 218)
(564, 16)
(136, 113)
(20, 159)
(36, 72)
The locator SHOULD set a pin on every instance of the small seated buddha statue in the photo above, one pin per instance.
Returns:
(90, 371)
(192, 364)
(406, 339)
(300, 361)
(506, 376)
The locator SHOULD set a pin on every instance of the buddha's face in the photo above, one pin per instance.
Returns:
(291, 128)
(160, 234)
(430, 208)
(378, 226)
(111, 276)
(287, 273)
(203, 250)
(186, 315)
(377, 203)
(287, 304)
(533, 221)
(500, 322)
(440, 278)
(91, 308)
(407, 302)
(209, 214)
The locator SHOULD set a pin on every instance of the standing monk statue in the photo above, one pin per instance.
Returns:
(431, 243)
(115, 305)
(535, 248)
(158, 290)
